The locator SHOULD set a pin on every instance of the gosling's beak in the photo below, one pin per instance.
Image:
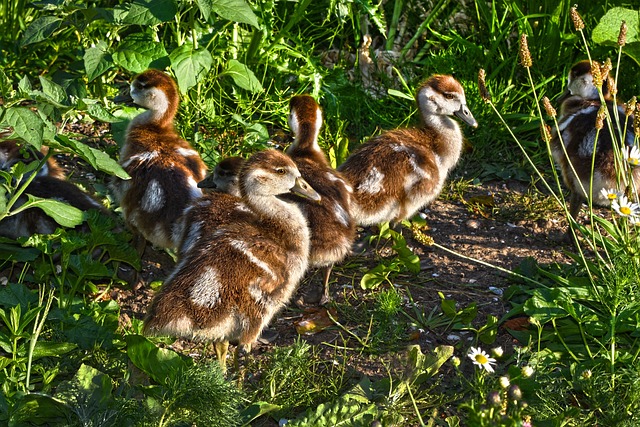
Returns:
(466, 116)
(207, 182)
(124, 97)
(302, 188)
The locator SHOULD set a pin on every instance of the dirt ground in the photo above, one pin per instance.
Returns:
(453, 224)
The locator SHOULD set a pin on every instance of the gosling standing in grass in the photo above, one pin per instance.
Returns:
(332, 227)
(240, 259)
(398, 172)
(577, 142)
(164, 168)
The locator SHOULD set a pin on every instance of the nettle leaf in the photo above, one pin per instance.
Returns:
(235, 10)
(608, 29)
(151, 12)
(190, 65)
(26, 125)
(62, 213)
(40, 29)
(161, 364)
(138, 52)
(96, 158)
(243, 76)
(97, 60)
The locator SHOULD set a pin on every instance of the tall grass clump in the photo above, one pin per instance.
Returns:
(582, 337)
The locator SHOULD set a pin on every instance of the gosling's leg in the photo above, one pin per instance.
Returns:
(221, 352)
(325, 286)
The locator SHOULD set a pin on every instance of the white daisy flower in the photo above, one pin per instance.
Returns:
(482, 359)
(632, 155)
(624, 207)
(610, 194)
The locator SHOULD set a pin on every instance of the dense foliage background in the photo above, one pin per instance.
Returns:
(64, 358)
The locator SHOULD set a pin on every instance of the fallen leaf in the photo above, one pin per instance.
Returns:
(315, 320)
(517, 324)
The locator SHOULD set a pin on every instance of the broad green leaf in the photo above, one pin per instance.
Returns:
(607, 30)
(256, 410)
(24, 86)
(206, 7)
(26, 125)
(40, 29)
(39, 409)
(14, 252)
(235, 10)
(138, 52)
(62, 213)
(243, 76)
(85, 266)
(90, 326)
(97, 60)
(96, 158)
(17, 294)
(151, 12)
(425, 366)
(161, 364)
(190, 65)
(52, 90)
(97, 111)
(52, 349)
(88, 387)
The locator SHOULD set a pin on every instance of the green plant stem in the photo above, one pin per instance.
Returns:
(487, 264)
(564, 344)
(397, 10)
(415, 406)
(37, 328)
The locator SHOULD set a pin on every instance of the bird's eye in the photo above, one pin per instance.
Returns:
(448, 95)
(280, 171)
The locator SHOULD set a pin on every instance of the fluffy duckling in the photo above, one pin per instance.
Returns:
(225, 176)
(577, 127)
(240, 259)
(49, 183)
(332, 227)
(164, 168)
(400, 171)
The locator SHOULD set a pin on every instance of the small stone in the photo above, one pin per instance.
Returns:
(453, 337)
(473, 224)
(495, 290)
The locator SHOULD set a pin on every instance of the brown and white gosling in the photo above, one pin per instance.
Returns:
(398, 172)
(240, 259)
(333, 229)
(49, 183)
(576, 135)
(164, 168)
(224, 178)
